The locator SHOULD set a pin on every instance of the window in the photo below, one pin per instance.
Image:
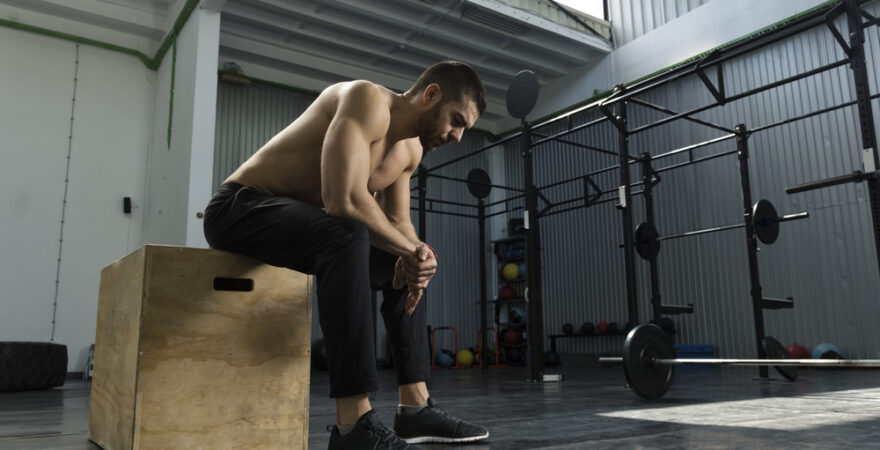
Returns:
(595, 8)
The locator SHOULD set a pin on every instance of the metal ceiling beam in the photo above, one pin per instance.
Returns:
(338, 64)
(466, 36)
(440, 49)
(416, 63)
(540, 40)
(288, 55)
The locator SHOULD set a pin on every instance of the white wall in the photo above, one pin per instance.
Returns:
(111, 123)
(180, 175)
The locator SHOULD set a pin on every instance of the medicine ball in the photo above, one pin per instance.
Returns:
(522, 270)
(511, 271)
(796, 351)
(506, 293)
(444, 358)
(511, 337)
(568, 328)
(551, 359)
(827, 351)
(465, 358)
(587, 328)
(516, 315)
(612, 327)
(602, 328)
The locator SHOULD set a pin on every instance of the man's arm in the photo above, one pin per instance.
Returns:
(360, 119)
(395, 202)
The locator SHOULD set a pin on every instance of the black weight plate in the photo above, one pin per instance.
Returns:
(647, 245)
(764, 218)
(478, 182)
(522, 94)
(643, 345)
(774, 350)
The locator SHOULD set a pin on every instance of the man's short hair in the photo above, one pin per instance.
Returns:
(457, 80)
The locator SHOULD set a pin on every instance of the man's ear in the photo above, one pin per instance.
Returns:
(431, 94)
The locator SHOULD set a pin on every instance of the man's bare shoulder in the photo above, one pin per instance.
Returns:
(366, 103)
(365, 93)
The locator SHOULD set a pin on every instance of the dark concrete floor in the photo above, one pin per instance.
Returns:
(591, 408)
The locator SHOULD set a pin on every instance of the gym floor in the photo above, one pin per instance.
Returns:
(707, 407)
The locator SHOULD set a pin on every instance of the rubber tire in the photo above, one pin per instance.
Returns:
(27, 366)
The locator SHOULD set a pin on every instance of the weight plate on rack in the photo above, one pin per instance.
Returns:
(645, 344)
(764, 218)
(774, 350)
(522, 94)
(647, 245)
(478, 182)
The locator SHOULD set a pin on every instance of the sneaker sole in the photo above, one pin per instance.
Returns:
(440, 439)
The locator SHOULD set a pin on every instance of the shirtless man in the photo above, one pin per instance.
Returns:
(352, 153)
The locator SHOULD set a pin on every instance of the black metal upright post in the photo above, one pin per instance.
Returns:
(632, 299)
(742, 147)
(533, 261)
(858, 65)
(484, 347)
(648, 194)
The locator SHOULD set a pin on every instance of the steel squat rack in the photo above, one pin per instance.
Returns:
(761, 222)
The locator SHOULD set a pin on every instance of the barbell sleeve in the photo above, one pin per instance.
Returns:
(851, 178)
(796, 216)
(758, 362)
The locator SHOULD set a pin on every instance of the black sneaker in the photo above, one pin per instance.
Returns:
(433, 424)
(368, 434)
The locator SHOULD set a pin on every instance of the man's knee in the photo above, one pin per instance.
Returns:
(345, 235)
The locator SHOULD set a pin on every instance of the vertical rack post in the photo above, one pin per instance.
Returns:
(484, 347)
(742, 147)
(533, 262)
(648, 194)
(625, 206)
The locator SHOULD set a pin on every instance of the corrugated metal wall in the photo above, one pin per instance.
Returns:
(633, 18)
(827, 262)
(247, 117)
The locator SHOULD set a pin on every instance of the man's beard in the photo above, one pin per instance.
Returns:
(428, 128)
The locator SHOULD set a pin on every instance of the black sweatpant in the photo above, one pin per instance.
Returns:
(284, 232)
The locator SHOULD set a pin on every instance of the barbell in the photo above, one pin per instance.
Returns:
(764, 219)
(649, 361)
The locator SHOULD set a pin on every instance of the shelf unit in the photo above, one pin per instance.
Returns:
(511, 250)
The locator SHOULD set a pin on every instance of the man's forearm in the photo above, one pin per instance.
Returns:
(408, 230)
(383, 234)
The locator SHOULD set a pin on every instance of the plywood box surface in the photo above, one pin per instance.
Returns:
(199, 348)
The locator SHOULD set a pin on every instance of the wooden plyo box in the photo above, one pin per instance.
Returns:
(200, 348)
